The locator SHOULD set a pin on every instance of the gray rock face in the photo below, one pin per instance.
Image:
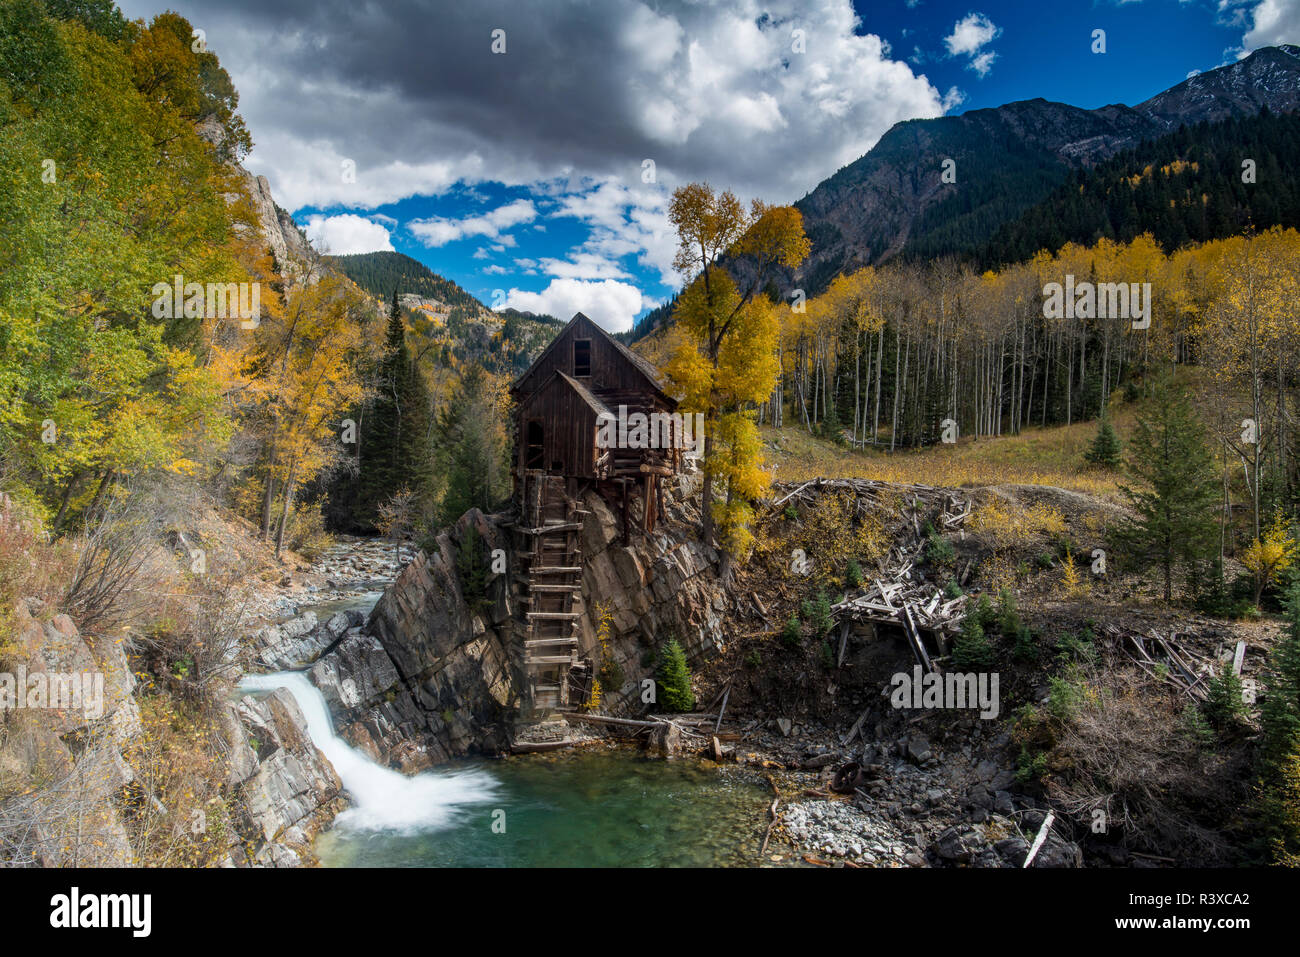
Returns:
(299, 641)
(67, 759)
(293, 784)
(435, 676)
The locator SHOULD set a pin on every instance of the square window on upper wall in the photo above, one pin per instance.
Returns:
(581, 358)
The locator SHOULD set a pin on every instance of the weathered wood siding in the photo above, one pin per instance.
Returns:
(568, 430)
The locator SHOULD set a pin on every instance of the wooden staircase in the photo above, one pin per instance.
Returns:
(552, 571)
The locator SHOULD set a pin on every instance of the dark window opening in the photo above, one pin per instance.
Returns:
(581, 357)
(534, 455)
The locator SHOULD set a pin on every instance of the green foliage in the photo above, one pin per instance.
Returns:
(971, 650)
(753, 659)
(1279, 715)
(826, 656)
(379, 273)
(1214, 595)
(792, 633)
(472, 569)
(1223, 707)
(1072, 648)
(611, 674)
(939, 551)
(674, 679)
(1178, 488)
(791, 513)
(853, 574)
(1024, 648)
(394, 448)
(1030, 766)
(1156, 188)
(1064, 698)
(952, 589)
(471, 452)
(817, 612)
(1193, 726)
(1105, 449)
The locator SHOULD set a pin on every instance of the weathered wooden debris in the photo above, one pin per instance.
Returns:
(1166, 658)
(920, 611)
(914, 608)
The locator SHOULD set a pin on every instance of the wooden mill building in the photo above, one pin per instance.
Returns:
(566, 405)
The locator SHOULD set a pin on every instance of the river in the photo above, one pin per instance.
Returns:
(579, 809)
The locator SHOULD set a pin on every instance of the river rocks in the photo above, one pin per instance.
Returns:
(838, 829)
(918, 749)
(293, 783)
(299, 641)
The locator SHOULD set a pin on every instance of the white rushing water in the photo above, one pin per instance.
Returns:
(382, 799)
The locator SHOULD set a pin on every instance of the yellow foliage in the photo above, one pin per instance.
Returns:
(1265, 557)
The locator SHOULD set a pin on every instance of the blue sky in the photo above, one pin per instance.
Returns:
(527, 150)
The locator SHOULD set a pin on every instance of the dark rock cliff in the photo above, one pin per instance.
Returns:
(436, 675)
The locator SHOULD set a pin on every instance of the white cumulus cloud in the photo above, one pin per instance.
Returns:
(347, 233)
(970, 35)
(609, 302)
(437, 231)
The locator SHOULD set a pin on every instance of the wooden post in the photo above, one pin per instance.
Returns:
(626, 531)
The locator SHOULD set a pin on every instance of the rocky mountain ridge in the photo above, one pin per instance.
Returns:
(894, 201)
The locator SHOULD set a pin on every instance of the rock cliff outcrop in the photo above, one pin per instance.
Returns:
(436, 674)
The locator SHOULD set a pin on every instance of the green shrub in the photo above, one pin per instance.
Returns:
(1105, 450)
(1008, 614)
(611, 675)
(753, 659)
(952, 589)
(1030, 766)
(971, 650)
(1223, 707)
(853, 574)
(1024, 648)
(1065, 698)
(1072, 648)
(817, 612)
(939, 550)
(675, 679)
(1193, 726)
(792, 634)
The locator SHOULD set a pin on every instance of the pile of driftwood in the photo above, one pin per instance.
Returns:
(894, 597)
(668, 734)
(915, 609)
(1171, 659)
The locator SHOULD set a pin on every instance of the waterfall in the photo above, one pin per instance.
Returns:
(382, 799)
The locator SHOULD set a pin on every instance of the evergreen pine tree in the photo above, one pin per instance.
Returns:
(1178, 491)
(1279, 713)
(395, 437)
(675, 679)
(472, 456)
(1105, 448)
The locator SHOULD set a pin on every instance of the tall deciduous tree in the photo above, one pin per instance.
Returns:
(724, 335)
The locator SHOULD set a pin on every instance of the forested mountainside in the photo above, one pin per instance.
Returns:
(379, 273)
(1203, 182)
(894, 200)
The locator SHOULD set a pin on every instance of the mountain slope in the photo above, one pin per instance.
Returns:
(892, 200)
(379, 273)
(1182, 188)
